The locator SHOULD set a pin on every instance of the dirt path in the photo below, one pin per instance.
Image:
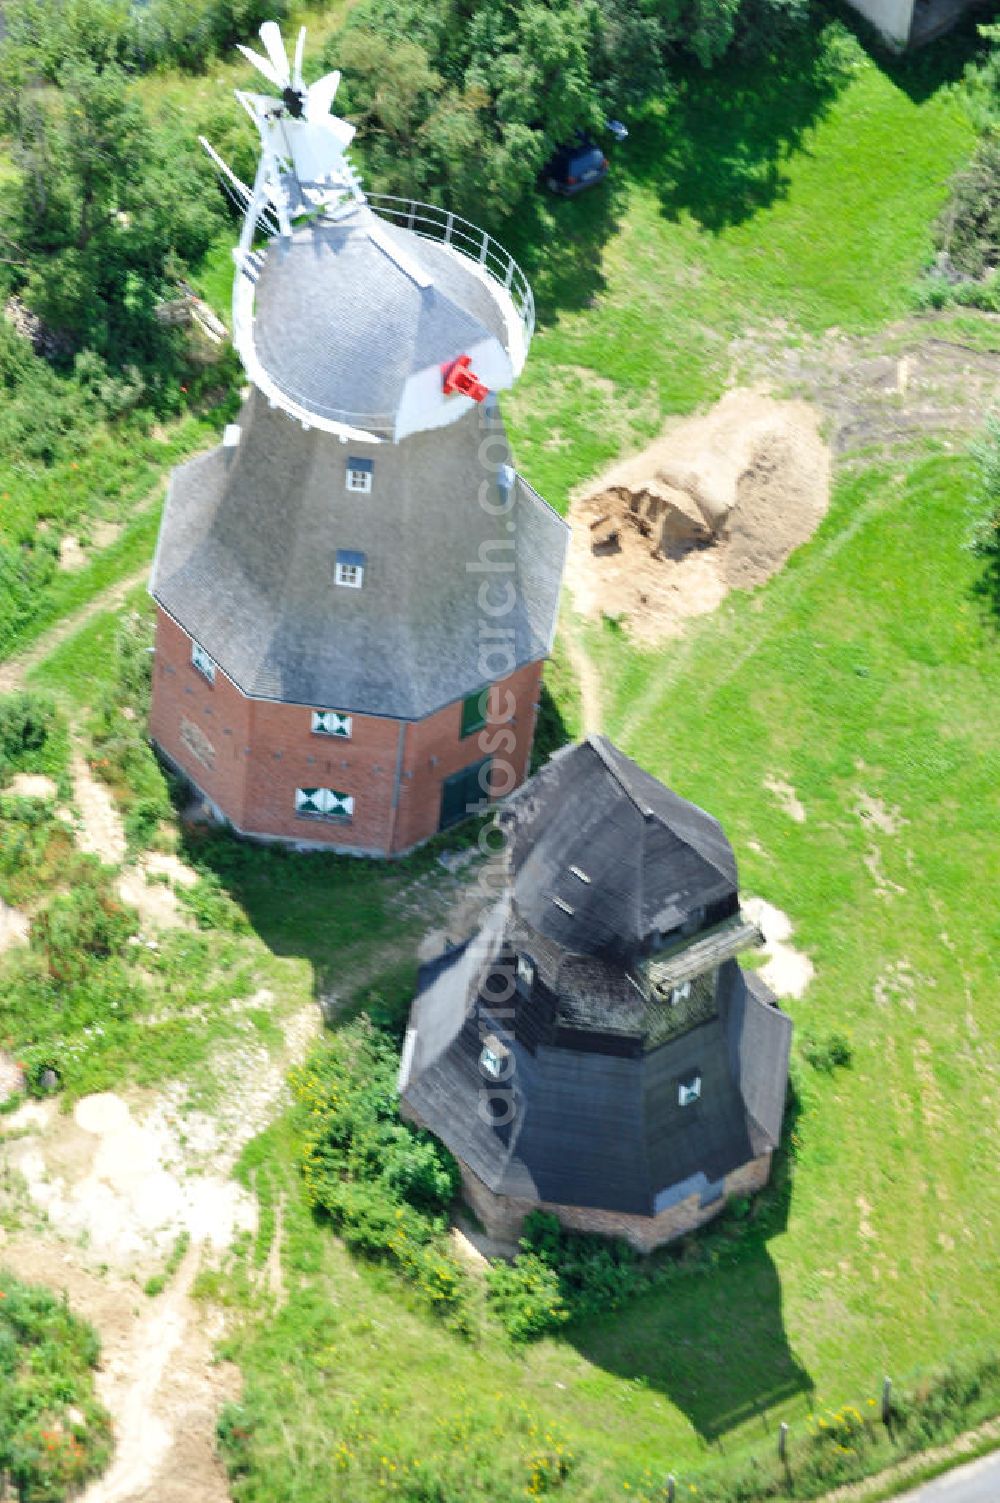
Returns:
(100, 831)
(588, 679)
(158, 1375)
(115, 1183)
(16, 669)
(881, 390)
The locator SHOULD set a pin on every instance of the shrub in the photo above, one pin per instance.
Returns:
(593, 1273)
(73, 929)
(123, 756)
(527, 1297)
(54, 1435)
(969, 226)
(833, 1052)
(27, 722)
(383, 1184)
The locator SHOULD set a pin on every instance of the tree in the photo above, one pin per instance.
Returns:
(103, 212)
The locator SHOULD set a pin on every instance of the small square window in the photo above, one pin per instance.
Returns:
(203, 663)
(359, 475)
(688, 1090)
(526, 971)
(323, 803)
(349, 568)
(474, 711)
(331, 723)
(680, 993)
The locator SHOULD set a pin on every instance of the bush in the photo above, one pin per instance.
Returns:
(835, 1051)
(969, 226)
(593, 1273)
(27, 727)
(54, 1435)
(384, 1185)
(124, 758)
(984, 538)
(527, 1297)
(73, 929)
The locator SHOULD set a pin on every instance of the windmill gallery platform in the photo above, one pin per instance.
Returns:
(356, 591)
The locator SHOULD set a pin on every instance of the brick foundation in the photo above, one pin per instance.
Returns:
(247, 756)
(502, 1216)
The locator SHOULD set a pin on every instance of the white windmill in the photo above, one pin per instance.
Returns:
(302, 163)
(364, 315)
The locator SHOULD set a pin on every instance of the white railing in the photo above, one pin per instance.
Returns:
(469, 241)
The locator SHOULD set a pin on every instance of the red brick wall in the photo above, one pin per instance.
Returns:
(189, 716)
(436, 748)
(248, 756)
(502, 1215)
(287, 755)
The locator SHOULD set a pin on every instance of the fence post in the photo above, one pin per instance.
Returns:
(671, 1488)
(783, 1441)
(886, 1400)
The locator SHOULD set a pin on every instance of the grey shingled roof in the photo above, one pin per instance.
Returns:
(593, 1129)
(339, 325)
(590, 1116)
(652, 857)
(248, 542)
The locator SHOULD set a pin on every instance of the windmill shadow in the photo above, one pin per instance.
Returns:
(712, 1339)
(350, 918)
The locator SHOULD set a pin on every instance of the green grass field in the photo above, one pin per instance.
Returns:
(803, 200)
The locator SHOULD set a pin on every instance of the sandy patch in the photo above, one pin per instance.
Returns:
(786, 796)
(883, 817)
(717, 502)
(75, 555)
(123, 1183)
(932, 1104)
(897, 986)
(156, 901)
(104, 534)
(474, 1247)
(31, 785)
(10, 1076)
(865, 1228)
(786, 971)
(14, 926)
(164, 864)
(885, 887)
(71, 554)
(101, 831)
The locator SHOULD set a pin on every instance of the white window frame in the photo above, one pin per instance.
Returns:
(526, 970)
(351, 576)
(358, 482)
(343, 731)
(202, 662)
(329, 802)
(689, 1091)
(680, 993)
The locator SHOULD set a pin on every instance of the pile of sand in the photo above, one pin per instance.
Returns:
(716, 502)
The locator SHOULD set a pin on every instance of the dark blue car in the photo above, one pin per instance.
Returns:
(576, 167)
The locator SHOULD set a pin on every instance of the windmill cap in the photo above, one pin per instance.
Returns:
(349, 321)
